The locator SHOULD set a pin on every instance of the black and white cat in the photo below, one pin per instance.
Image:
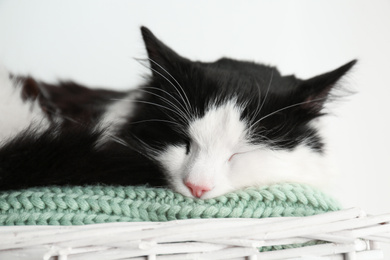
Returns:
(202, 129)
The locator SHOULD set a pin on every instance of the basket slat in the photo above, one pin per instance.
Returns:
(352, 235)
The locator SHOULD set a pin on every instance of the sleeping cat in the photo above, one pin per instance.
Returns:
(202, 129)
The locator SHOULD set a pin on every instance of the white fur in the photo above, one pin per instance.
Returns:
(219, 135)
(17, 115)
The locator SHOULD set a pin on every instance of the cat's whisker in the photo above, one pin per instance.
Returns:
(167, 101)
(256, 112)
(118, 140)
(151, 152)
(154, 104)
(260, 136)
(268, 88)
(287, 107)
(258, 109)
(170, 95)
(189, 108)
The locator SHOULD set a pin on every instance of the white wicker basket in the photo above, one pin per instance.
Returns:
(349, 234)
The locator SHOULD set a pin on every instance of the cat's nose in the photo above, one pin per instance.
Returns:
(197, 190)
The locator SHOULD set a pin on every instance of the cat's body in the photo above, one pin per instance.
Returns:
(203, 129)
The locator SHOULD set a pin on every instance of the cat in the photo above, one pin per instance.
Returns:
(202, 129)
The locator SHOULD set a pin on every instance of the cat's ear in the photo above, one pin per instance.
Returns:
(162, 58)
(316, 90)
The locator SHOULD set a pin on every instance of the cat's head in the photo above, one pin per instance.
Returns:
(220, 126)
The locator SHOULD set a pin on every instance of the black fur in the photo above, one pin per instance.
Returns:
(59, 157)
(66, 154)
(299, 101)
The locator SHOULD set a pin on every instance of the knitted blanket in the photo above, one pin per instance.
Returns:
(103, 204)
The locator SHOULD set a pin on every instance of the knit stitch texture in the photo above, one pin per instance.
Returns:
(103, 204)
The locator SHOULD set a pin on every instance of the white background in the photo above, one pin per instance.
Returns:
(94, 42)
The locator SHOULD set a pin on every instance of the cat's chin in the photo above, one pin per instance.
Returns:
(215, 193)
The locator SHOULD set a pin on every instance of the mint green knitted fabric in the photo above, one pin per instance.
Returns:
(103, 204)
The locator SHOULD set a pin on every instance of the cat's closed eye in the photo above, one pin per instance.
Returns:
(188, 146)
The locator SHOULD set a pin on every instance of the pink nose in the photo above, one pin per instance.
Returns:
(196, 190)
